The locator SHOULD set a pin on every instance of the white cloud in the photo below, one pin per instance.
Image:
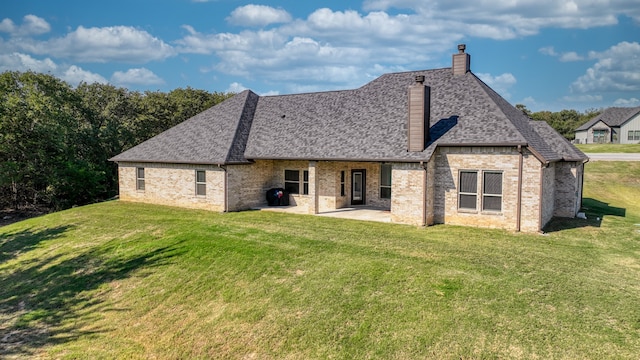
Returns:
(270, 93)
(23, 62)
(617, 69)
(31, 25)
(631, 102)
(583, 98)
(571, 56)
(548, 50)
(499, 19)
(564, 57)
(258, 15)
(139, 76)
(72, 74)
(235, 87)
(500, 83)
(106, 44)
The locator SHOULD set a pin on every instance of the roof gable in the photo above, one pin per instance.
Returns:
(612, 117)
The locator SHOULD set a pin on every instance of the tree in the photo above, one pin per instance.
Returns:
(42, 132)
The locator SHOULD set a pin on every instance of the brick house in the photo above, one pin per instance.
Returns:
(618, 125)
(433, 146)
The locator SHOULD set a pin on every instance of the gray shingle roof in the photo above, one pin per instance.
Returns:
(367, 124)
(558, 144)
(215, 136)
(612, 117)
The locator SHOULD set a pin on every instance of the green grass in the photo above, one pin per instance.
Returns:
(133, 281)
(609, 148)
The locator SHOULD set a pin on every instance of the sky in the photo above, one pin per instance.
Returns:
(545, 54)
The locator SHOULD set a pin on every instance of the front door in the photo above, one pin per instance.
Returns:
(358, 187)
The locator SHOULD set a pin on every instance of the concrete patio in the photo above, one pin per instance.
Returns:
(365, 213)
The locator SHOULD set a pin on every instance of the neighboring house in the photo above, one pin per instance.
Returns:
(616, 125)
(433, 146)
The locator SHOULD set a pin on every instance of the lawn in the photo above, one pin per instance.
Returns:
(133, 281)
(609, 148)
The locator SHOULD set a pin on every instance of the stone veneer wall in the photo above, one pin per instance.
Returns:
(450, 160)
(173, 185)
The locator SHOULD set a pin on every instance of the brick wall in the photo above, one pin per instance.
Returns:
(408, 193)
(172, 184)
(450, 160)
(568, 179)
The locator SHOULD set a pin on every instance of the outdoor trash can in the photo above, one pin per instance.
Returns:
(277, 197)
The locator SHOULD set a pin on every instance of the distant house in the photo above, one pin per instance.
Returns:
(431, 146)
(616, 125)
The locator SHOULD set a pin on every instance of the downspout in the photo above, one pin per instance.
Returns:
(226, 188)
(519, 204)
(544, 166)
(424, 193)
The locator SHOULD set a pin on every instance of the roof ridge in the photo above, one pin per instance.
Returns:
(522, 124)
(243, 127)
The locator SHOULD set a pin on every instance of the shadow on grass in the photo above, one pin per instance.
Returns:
(53, 300)
(595, 211)
(13, 244)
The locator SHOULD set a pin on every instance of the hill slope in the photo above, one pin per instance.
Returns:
(120, 280)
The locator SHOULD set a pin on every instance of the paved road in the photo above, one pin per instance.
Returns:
(614, 156)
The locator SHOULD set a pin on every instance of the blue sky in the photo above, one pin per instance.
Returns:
(546, 54)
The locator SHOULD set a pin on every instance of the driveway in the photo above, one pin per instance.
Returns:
(613, 156)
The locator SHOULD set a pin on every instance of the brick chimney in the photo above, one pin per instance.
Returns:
(419, 113)
(461, 61)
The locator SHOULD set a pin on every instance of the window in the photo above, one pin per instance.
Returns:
(468, 190)
(630, 136)
(140, 179)
(599, 136)
(305, 182)
(201, 182)
(634, 135)
(492, 191)
(292, 181)
(637, 135)
(342, 190)
(385, 181)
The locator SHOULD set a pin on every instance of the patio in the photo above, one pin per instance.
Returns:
(365, 213)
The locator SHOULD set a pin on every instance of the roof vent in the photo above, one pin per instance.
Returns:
(461, 63)
(419, 79)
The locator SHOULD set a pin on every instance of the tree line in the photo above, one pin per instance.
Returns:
(55, 140)
(565, 121)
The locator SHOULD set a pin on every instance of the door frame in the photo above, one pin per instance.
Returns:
(363, 199)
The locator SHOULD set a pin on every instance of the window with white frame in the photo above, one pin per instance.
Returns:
(468, 190)
(492, 191)
(140, 179)
(385, 181)
(201, 182)
(292, 181)
(633, 135)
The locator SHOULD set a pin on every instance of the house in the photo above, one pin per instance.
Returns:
(432, 147)
(616, 125)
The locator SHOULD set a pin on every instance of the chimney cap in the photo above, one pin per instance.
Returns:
(419, 79)
(461, 48)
